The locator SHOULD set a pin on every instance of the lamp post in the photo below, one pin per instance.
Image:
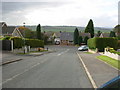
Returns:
(24, 37)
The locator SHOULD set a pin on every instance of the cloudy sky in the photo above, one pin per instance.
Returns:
(104, 13)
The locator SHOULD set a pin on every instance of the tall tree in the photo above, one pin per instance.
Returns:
(99, 33)
(38, 31)
(90, 28)
(86, 39)
(117, 30)
(76, 35)
(80, 40)
(112, 34)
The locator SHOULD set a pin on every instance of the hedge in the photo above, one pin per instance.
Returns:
(34, 43)
(118, 44)
(17, 42)
(102, 43)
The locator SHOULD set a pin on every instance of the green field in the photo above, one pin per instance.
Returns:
(69, 28)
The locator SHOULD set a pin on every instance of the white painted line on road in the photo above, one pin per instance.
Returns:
(20, 73)
(88, 73)
(63, 52)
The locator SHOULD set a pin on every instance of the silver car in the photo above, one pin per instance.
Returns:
(83, 48)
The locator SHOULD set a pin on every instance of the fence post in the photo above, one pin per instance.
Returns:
(12, 45)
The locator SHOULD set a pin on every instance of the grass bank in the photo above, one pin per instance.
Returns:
(113, 62)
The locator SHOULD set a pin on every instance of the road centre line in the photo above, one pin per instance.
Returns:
(22, 72)
(63, 52)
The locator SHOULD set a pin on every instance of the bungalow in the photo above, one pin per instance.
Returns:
(10, 30)
(66, 38)
(104, 35)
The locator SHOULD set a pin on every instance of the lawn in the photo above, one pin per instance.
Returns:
(111, 61)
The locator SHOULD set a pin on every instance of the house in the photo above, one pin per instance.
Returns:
(66, 38)
(10, 30)
(49, 35)
(104, 35)
(84, 35)
(56, 35)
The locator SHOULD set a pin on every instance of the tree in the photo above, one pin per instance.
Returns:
(76, 35)
(99, 33)
(38, 31)
(117, 30)
(80, 40)
(86, 39)
(26, 32)
(112, 34)
(90, 28)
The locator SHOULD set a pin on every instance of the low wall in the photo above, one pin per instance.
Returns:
(21, 50)
(89, 50)
(112, 55)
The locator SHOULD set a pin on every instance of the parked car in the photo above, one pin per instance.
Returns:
(114, 83)
(83, 48)
(57, 43)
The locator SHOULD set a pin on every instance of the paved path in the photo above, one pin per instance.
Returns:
(61, 69)
(100, 72)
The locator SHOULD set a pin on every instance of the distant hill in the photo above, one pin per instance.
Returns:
(68, 28)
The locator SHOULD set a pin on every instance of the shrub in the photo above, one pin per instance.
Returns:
(34, 43)
(6, 38)
(102, 43)
(17, 42)
(86, 39)
(118, 45)
(80, 40)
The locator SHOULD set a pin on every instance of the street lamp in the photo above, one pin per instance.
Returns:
(24, 37)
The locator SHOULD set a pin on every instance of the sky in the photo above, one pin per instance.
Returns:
(104, 13)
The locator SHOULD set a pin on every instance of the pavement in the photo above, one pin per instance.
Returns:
(99, 71)
(9, 57)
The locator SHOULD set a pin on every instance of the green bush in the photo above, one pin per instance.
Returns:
(118, 45)
(6, 38)
(17, 42)
(102, 43)
(34, 43)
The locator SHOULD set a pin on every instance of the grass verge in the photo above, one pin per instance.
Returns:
(32, 52)
(88, 52)
(115, 63)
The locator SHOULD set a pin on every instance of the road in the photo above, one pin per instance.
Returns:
(60, 69)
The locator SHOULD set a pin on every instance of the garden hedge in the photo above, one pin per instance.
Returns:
(33, 43)
(102, 43)
(17, 42)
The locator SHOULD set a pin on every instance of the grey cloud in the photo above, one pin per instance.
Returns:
(8, 7)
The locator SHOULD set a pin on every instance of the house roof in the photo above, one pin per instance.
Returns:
(2, 24)
(49, 33)
(84, 34)
(57, 34)
(8, 29)
(66, 36)
(105, 35)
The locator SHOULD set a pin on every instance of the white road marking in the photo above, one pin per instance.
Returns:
(63, 52)
(88, 73)
(21, 73)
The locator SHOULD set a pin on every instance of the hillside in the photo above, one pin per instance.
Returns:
(68, 28)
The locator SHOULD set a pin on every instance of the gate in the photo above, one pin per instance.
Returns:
(6, 45)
